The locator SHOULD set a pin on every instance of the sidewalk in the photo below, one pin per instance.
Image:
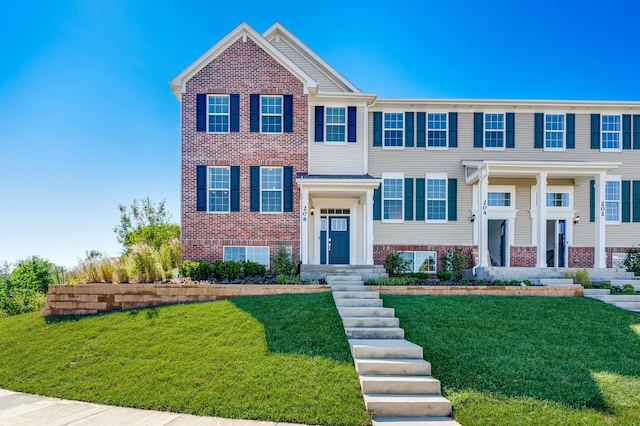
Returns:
(31, 410)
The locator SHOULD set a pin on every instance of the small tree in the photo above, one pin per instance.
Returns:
(455, 262)
(145, 223)
(632, 261)
(283, 263)
(33, 273)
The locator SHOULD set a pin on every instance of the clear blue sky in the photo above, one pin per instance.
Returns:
(88, 121)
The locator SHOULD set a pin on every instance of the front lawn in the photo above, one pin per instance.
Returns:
(278, 358)
(529, 360)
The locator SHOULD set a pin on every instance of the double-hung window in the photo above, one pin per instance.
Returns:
(392, 197)
(258, 254)
(218, 189)
(393, 129)
(271, 183)
(554, 128)
(436, 130)
(436, 197)
(271, 114)
(610, 132)
(218, 113)
(335, 124)
(612, 196)
(494, 130)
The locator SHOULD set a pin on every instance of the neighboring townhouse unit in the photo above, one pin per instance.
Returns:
(278, 148)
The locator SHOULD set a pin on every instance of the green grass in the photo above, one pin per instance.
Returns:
(277, 358)
(529, 360)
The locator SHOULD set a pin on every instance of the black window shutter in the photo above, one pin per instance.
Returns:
(408, 129)
(351, 124)
(201, 188)
(592, 200)
(420, 194)
(421, 124)
(636, 131)
(377, 128)
(626, 131)
(626, 201)
(477, 129)
(377, 203)
(254, 113)
(288, 188)
(452, 199)
(408, 199)
(235, 189)
(571, 131)
(511, 122)
(453, 130)
(201, 112)
(254, 188)
(538, 130)
(636, 200)
(234, 109)
(319, 126)
(288, 114)
(595, 131)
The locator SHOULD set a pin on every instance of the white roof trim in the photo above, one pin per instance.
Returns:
(277, 28)
(178, 83)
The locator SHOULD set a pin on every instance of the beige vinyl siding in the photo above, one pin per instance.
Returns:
(337, 158)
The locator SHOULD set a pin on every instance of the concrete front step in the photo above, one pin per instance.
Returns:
(366, 312)
(617, 298)
(350, 287)
(407, 405)
(374, 332)
(406, 367)
(370, 322)
(557, 282)
(399, 384)
(358, 303)
(356, 294)
(384, 348)
(588, 292)
(413, 421)
(342, 278)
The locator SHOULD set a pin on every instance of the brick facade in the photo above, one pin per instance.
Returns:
(243, 68)
(524, 256)
(582, 257)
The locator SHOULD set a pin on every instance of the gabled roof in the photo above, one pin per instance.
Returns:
(240, 32)
(330, 80)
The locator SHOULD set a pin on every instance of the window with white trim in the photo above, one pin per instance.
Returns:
(271, 113)
(271, 189)
(436, 197)
(558, 199)
(421, 261)
(494, 130)
(437, 130)
(554, 128)
(335, 124)
(392, 197)
(218, 189)
(393, 126)
(610, 132)
(499, 199)
(218, 113)
(612, 196)
(258, 254)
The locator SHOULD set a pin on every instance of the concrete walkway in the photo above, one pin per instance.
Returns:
(18, 409)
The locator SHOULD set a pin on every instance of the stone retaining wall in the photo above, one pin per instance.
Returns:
(82, 299)
(494, 290)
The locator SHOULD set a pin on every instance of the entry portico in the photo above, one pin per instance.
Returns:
(480, 172)
(340, 204)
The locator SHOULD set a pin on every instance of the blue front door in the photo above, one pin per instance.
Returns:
(334, 240)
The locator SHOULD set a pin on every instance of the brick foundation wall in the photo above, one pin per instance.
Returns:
(380, 252)
(524, 256)
(243, 68)
(83, 299)
(581, 257)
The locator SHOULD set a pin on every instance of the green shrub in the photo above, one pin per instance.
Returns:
(455, 261)
(283, 262)
(526, 282)
(419, 275)
(393, 281)
(200, 270)
(632, 261)
(605, 286)
(481, 282)
(33, 273)
(514, 282)
(253, 269)
(14, 301)
(628, 289)
(229, 270)
(395, 264)
(498, 282)
(444, 275)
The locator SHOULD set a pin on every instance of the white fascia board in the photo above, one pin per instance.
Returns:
(344, 97)
(243, 30)
(530, 168)
(278, 29)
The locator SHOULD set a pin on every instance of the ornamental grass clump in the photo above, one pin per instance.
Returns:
(147, 263)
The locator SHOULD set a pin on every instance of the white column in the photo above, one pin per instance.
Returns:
(541, 199)
(368, 228)
(599, 248)
(483, 221)
(304, 226)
